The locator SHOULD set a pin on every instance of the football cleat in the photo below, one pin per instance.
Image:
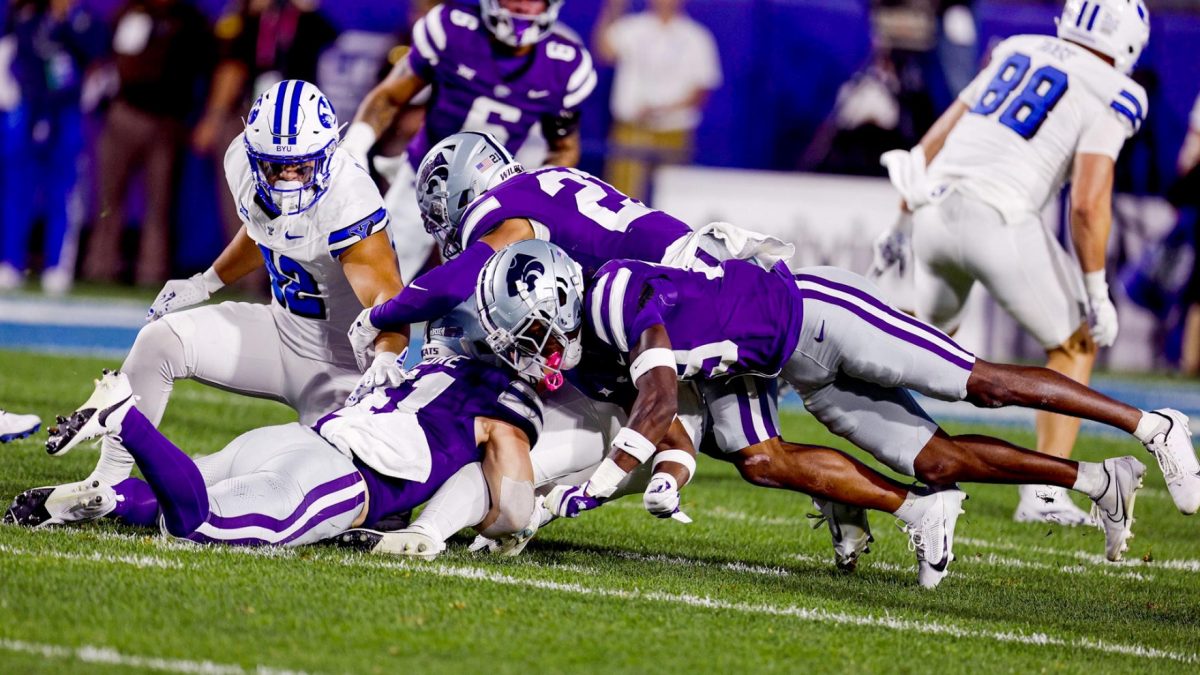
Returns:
(59, 504)
(1049, 504)
(849, 529)
(1173, 449)
(14, 427)
(101, 414)
(411, 542)
(1113, 510)
(931, 534)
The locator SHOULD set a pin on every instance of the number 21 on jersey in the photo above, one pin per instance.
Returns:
(1026, 112)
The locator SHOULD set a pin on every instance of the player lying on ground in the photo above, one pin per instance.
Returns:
(317, 221)
(393, 448)
(852, 358)
(504, 68)
(1045, 111)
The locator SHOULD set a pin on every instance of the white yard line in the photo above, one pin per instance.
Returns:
(814, 615)
(135, 560)
(1176, 565)
(112, 657)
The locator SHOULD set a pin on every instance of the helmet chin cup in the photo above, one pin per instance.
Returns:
(554, 379)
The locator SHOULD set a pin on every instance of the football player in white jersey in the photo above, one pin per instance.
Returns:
(316, 220)
(1045, 111)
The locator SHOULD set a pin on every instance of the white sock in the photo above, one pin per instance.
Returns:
(907, 510)
(462, 502)
(115, 464)
(1150, 426)
(1092, 479)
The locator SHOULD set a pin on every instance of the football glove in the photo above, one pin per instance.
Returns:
(387, 370)
(178, 294)
(1103, 315)
(362, 336)
(661, 498)
(568, 501)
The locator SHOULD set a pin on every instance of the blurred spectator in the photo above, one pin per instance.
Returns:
(261, 43)
(51, 43)
(666, 67)
(164, 54)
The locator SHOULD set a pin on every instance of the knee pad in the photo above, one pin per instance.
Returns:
(517, 506)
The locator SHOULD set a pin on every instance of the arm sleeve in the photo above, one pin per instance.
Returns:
(622, 311)
(429, 43)
(436, 292)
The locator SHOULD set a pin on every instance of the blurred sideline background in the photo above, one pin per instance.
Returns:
(812, 92)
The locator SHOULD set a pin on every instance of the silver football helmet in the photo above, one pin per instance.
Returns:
(516, 28)
(452, 175)
(530, 300)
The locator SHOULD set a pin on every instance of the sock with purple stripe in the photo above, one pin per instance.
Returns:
(172, 475)
(136, 503)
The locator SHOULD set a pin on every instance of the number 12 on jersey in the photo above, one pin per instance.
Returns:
(1028, 109)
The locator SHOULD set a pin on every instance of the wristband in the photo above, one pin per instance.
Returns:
(212, 281)
(1096, 285)
(605, 479)
(359, 139)
(634, 444)
(679, 457)
(658, 357)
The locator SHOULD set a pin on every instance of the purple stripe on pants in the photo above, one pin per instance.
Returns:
(277, 525)
(745, 414)
(766, 392)
(888, 328)
(321, 516)
(881, 305)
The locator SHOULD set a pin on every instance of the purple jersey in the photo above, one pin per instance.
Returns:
(477, 86)
(404, 463)
(588, 218)
(745, 321)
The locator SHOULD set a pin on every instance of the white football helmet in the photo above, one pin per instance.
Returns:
(530, 302)
(452, 175)
(518, 30)
(291, 128)
(1116, 28)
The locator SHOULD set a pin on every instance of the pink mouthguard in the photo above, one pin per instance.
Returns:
(553, 380)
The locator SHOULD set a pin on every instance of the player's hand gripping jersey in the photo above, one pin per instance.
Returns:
(1039, 102)
(314, 303)
(479, 88)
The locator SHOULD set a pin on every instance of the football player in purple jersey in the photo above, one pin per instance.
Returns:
(504, 68)
(453, 420)
(852, 359)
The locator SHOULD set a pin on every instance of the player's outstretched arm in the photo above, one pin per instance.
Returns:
(1091, 223)
(378, 110)
(239, 258)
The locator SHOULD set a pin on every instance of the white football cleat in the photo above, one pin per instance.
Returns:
(412, 542)
(101, 414)
(1177, 458)
(1113, 510)
(1049, 504)
(59, 504)
(931, 534)
(849, 529)
(14, 426)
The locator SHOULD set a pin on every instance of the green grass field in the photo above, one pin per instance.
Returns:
(748, 587)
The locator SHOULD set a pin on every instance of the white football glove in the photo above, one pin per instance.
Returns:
(387, 370)
(178, 294)
(893, 247)
(1103, 314)
(358, 140)
(362, 336)
(661, 498)
(389, 167)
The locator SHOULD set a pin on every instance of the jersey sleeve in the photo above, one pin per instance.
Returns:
(623, 304)
(1104, 135)
(358, 208)
(429, 43)
(519, 405)
(582, 81)
(1131, 105)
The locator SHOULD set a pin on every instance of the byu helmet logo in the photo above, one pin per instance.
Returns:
(325, 113)
(524, 269)
(254, 112)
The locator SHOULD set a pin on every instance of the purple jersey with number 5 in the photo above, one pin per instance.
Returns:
(588, 218)
(745, 321)
(478, 85)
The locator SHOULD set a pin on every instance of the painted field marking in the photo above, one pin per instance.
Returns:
(1174, 565)
(112, 657)
(135, 560)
